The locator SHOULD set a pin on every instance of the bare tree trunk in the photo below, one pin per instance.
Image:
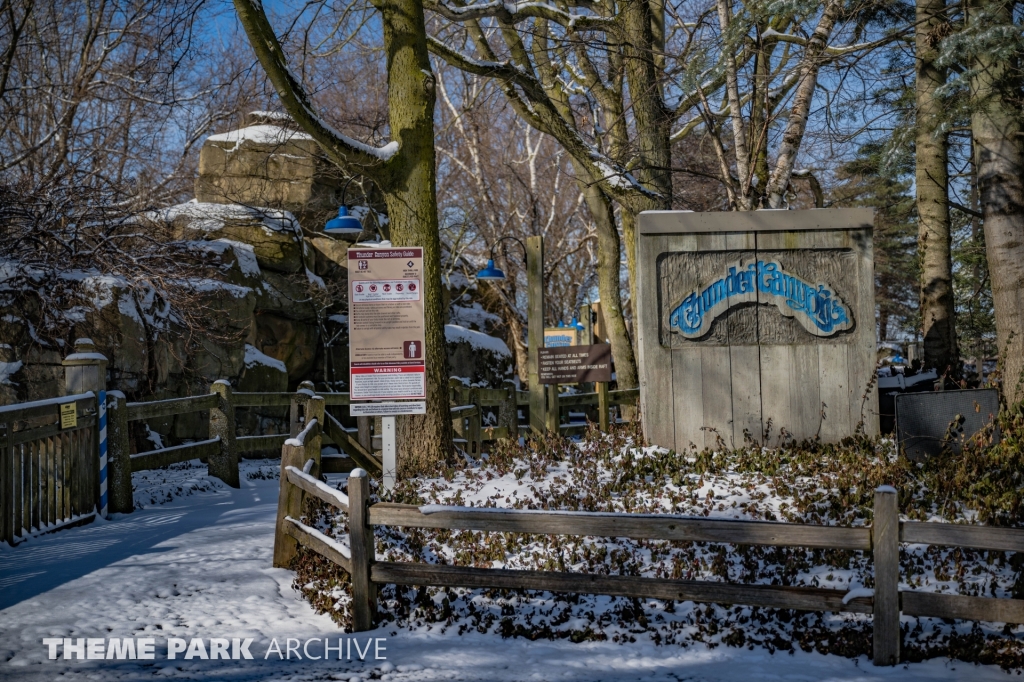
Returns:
(934, 242)
(608, 255)
(801, 109)
(652, 118)
(997, 132)
(411, 198)
(407, 177)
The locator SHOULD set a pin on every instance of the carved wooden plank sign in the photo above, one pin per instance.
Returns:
(755, 323)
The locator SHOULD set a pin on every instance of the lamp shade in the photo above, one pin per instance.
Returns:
(491, 272)
(344, 224)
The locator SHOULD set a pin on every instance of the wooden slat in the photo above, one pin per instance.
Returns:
(492, 397)
(258, 443)
(624, 396)
(44, 408)
(310, 541)
(640, 526)
(801, 598)
(49, 430)
(46, 474)
(179, 453)
(261, 399)
(336, 432)
(336, 464)
(959, 535)
(28, 493)
(17, 492)
(68, 471)
(577, 400)
(172, 406)
(34, 468)
(317, 489)
(958, 606)
(58, 465)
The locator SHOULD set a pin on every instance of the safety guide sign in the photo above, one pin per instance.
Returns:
(385, 294)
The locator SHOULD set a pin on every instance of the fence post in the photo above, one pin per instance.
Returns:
(86, 370)
(119, 455)
(361, 544)
(298, 418)
(289, 503)
(602, 405)
(455, 390)
(365, 437)
(508, 411)
(10, 473)
(224, 465)
(552, 417)
(885, 541)
(473, 434)
(315, 410)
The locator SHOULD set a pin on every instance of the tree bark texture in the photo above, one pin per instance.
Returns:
(651, 115)
(800, 111)
(608, 258)
(411, 198)
(407, 179)
(997, 131)
(932, 181)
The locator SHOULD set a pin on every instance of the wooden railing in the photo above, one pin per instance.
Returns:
(35, 478)
(882, 539)
(48, 474)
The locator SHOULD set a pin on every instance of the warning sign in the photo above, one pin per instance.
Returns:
(576, 364)
(386, 334)
(68, 415)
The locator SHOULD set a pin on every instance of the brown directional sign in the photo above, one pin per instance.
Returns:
(576, 364)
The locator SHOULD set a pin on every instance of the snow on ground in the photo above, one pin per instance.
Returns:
(195, 561)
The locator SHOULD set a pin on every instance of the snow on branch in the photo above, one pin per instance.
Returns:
(343, 149)
(513, 12)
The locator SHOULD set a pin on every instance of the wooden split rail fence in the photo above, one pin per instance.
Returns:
(300, 478)
(50, 476)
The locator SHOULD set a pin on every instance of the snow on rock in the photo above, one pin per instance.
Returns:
(259, 134)
(453, 333)
(254, 357)
(473, 315)
(7, 370)
(212, 216)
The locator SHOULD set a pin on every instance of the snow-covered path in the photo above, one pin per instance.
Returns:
(200, 566)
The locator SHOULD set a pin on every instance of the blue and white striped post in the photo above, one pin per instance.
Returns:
(102, 411)
(85, 370)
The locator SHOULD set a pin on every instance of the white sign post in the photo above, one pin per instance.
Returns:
(386, 340)
(387, 412)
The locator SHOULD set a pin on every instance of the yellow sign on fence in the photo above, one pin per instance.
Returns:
(68, 415)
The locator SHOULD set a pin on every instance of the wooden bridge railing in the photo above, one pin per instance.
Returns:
(48, 469)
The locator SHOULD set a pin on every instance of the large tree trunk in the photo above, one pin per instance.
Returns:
(997, 131)
(406, 178)
(937, 315)
(608, 258)
(411, 198)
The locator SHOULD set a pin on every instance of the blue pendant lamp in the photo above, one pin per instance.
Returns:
(344, 225)
(491, 272)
